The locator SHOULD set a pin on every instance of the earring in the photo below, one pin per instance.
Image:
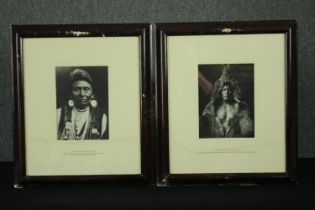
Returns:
(93, 102)
(70, 103)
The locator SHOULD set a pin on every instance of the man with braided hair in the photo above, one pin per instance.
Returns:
(81, 119)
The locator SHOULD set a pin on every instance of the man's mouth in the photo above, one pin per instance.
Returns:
(84, 100)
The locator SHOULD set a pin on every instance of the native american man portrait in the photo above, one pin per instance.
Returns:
(225, 115)
(81, 118)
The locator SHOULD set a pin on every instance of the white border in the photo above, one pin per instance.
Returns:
(264, 153)
(45, 155)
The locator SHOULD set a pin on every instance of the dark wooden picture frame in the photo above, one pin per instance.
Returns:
(142, 31)
(165, 30)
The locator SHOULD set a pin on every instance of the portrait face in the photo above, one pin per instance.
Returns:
(226, 92)
(81, 92)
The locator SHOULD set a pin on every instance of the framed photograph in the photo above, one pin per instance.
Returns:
(226, 102)
(82, 104)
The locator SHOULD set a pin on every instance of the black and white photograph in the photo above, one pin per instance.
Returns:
(226, 100)
(82, 103)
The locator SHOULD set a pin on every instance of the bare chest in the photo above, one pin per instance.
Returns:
(226, 112)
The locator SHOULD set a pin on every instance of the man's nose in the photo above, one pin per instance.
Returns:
(82, 92)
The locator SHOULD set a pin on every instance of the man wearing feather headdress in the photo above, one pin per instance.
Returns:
(226, 115)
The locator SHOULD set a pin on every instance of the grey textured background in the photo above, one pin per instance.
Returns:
(146, 11)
